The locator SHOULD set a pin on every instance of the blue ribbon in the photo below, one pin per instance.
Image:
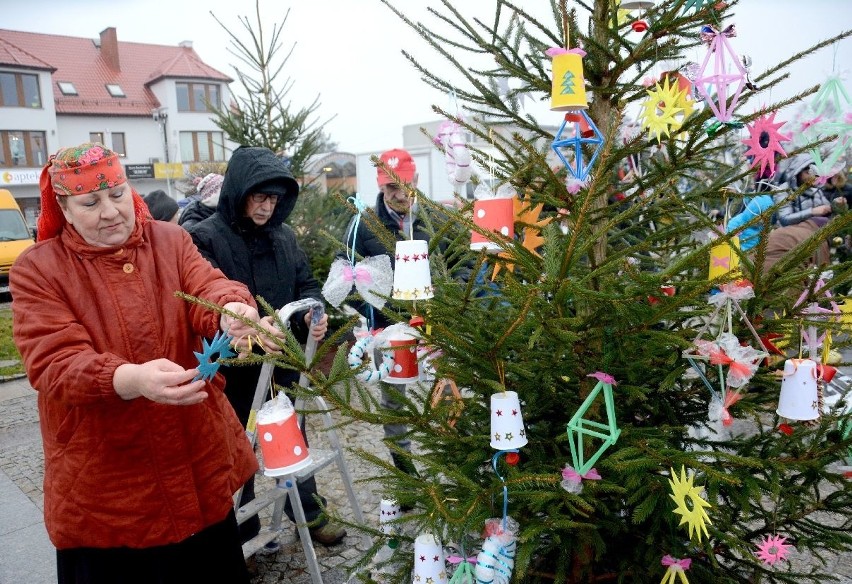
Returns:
(505, 488)
(361, 206)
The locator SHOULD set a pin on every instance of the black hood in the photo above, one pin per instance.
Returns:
(248, 168)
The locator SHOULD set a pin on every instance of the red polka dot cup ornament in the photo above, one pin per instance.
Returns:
(494, 213)
(507, 422)
(799, 399)
(281, 441)
(430, 565)
(402, 340)
(412, 279)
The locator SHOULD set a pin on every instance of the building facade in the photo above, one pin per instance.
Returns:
(149, 103)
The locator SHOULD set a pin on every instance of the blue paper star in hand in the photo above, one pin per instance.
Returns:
(207, 366)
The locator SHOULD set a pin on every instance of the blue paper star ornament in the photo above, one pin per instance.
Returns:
(219, 346)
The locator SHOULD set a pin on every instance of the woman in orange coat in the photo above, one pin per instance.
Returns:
(141, 460)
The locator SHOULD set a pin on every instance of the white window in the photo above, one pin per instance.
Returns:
(115, 90)
(67, 88)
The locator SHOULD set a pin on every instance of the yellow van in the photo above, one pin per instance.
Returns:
(15, 236)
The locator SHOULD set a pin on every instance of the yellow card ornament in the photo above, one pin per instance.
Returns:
(568, 86)
(724, 258)
(664, 109)
(692, 512)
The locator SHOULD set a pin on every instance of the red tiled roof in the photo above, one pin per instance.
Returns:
(13, 56)
(79, 61)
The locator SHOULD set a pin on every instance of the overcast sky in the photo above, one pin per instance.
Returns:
(348, 51)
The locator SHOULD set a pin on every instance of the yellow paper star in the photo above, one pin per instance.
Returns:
(664, 109)
(527, 215)
(692, 513)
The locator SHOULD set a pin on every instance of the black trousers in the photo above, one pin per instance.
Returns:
(240, 385)
(211, 555)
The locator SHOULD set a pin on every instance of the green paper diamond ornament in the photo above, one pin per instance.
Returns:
(581, 429)
(831, 98)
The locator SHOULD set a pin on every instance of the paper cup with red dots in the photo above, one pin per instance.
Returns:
(281, 441)
(507, 422)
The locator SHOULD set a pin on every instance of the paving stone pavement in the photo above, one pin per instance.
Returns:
(27, 556)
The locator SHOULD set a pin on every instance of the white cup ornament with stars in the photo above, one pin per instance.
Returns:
(430, 566)
(507, 422)
(412, 279)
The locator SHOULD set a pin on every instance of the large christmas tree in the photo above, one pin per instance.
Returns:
(617, 461)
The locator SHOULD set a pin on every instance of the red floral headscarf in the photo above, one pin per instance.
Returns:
(80, 170)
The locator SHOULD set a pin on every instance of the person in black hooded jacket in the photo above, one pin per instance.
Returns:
(248, 240)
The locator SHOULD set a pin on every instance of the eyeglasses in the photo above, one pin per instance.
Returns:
(263, 197)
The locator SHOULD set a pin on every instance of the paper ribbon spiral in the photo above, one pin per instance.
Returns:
(496, 560)
(457, 158)
(371, 374)
(372, 277)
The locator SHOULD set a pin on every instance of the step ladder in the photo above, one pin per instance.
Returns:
(287, 485)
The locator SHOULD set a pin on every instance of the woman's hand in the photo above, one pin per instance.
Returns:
(822, 210)
(318, 330)
(160, 381)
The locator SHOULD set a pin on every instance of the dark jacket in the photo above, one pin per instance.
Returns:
(368, 244)
(193, 213)
(267, 259)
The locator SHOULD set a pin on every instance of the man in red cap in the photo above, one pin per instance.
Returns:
(397, 210)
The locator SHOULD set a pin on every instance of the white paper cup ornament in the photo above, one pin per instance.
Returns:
(507, 422)
(493, 212)
(412, 279)
(799, 399)
(429, 563)
(281, 440)
(388, 512)
(402, 340)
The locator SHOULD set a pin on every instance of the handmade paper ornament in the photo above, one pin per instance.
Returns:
(402, 341)
(572, 481)
(690, 505)
(412, 279)
(742, 360)
(493, 212)
(496, 560)
(726, 69)
(281, 440)
(693, 4)
(355, 358)
(773, 548)
(724, 259)
(455, 399)
(640, 24)
(526, 214)
(429, 564)
(764, 144)
(575, 137)
(579, 428)
(675, 569)
(389, 512)
(372, 278)
(664, 110)
(507, 421)
(458, 162)
(568, 86)
(219, 346)
(799, 398)
(831, 99)
(464, 572)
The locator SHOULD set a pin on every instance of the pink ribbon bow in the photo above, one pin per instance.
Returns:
(682, 564)
(553, 51)
(358, 274)
(460, 559)
(569, 474)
